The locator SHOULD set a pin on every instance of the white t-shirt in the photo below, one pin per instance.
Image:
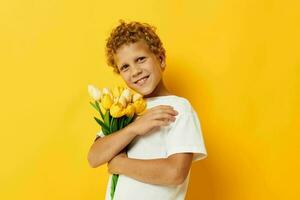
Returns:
(182, 135)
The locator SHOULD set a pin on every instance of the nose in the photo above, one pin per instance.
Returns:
(136, 70)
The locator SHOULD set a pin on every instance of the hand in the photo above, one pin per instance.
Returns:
(157, 116)
(114, 164)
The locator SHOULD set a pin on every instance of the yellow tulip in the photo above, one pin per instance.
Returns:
(94, 92)
(127, 94)
(116, 99)
(103, 110)
(136, 96)
(106, 90)
(117, 110)
(106, 101)
(130, 110)
(117, 91)
(122, 101)
(140, 106)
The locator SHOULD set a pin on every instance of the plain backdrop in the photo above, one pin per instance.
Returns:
(237, 62)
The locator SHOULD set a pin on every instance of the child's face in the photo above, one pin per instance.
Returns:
(135, 61)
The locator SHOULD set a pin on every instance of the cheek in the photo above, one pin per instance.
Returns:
(150, 68)
(128, 82)
(126, 78)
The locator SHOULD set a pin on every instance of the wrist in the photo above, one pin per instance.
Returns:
(131, 130)
(121, 163)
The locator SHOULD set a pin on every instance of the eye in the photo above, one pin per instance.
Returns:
(141, 58)
(124, 67)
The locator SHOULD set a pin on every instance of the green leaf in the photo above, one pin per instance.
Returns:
(117, 124)
(105, 131)
(98, 106)
(107, 119)
(110, 125)
(99, 122)
(128, 120)
(122, 122)
(103, 126)
(114, 125)
(94, 105)
(114, 181)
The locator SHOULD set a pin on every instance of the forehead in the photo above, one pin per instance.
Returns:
(130, 51)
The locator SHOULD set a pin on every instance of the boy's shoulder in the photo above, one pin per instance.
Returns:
(182, 105)
(179, 103)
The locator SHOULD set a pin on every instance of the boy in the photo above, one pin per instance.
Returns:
(163, 142)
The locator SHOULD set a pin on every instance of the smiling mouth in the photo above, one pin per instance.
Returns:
(141, 81)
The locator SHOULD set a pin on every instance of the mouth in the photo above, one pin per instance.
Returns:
(141, 81)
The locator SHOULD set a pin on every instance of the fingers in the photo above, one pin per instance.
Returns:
(163, 109)
(161, 115)
(163, 112)
(164, 117)
(162, 123)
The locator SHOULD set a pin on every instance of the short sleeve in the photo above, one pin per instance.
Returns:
(185, 135)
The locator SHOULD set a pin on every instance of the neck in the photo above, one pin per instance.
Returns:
(160, 90)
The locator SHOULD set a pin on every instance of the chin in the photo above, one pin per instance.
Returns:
(144, 91)
(148, 93)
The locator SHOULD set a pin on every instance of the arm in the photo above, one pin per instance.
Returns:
(164, 171)
(104, 149)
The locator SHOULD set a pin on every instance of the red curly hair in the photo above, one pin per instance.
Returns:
(132, 32)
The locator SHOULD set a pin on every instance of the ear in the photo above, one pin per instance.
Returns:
(162, 62)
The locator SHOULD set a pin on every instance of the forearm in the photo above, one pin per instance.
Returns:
(105, 148)
(154, 171)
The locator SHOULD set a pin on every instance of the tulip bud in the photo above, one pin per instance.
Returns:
(136, 96)
(94, 92)
(107, 91)
(140, 106)
(103, 110)
(106, 101)
(116, 99)
(117, 110)
(122, 101)
(130, 110)
(117, 91)
(127, 95)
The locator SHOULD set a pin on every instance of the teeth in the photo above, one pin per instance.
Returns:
(140, 82)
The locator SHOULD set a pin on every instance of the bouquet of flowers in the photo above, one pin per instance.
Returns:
(117, 108)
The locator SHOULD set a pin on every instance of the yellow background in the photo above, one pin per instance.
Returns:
(236, 61)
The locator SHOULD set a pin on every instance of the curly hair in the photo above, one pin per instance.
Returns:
(132, 32)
